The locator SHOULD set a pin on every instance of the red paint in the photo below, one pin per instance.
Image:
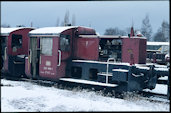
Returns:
(132, 32)
(85, 31)
(20, 51)
(136, 47)
(86, 48)
(48, 66)
(24, 49)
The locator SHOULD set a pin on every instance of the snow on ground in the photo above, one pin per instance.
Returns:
(160, 89)
(24, 96)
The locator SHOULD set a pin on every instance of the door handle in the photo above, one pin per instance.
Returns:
(59, 60)
(5, 53)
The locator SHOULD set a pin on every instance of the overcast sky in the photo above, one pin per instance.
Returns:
(100, 15)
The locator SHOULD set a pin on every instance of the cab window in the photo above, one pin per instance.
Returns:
(46, 45)
(65, 42)
(16, 41)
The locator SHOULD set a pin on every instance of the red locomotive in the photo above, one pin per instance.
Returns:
(77, 54)
(52, 48)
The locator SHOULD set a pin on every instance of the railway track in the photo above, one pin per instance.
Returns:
(142, 95)
(155, 97)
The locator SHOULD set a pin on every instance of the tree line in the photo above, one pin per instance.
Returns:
(162, 34)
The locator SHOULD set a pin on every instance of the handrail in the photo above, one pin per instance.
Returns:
(5, 53)
(40, 60)
(59, 58)
(107, 70)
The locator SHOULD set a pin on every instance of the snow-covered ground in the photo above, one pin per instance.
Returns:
(24, 96)
(160, 89)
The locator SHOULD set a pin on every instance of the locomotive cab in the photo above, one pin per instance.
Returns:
(51, 50)
(14, 47)
(123, 49)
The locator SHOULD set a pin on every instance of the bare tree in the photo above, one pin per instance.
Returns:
(146, 28)
(66, 18)
(73, 19)
(165, 30)
(66, 21)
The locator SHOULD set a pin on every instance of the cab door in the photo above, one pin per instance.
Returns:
(49, 57)
(34, 52)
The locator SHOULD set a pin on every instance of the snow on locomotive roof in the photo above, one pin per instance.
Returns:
(157, 43)
(7, 31)
(50, 30)
(54, 31)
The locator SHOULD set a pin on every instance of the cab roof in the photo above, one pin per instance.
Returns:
(7, 31)
(54, 31)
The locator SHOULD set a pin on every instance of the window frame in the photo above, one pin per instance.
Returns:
(64, 44)
(16, 37)
(48, 46)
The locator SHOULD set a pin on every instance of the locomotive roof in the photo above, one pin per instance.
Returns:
(7, 31)
(50, 30)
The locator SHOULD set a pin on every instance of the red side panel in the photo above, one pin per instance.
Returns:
(142, 51)
(87, 48)
(47, 67)
(134, 50)
(85, 31)
(61, 69)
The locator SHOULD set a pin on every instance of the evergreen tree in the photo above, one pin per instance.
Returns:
(162, 34)
(73, 20)
(57, 22)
